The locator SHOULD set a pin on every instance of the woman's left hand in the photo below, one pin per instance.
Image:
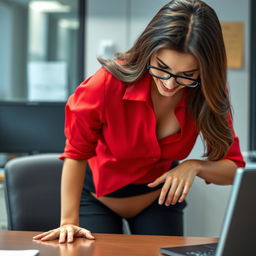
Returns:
(177, 182)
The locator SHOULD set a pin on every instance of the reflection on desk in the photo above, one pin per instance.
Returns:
(105, 244)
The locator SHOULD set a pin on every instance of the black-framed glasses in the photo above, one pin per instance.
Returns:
(165, 75)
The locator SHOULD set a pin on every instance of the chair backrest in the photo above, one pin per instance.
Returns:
(32, 192)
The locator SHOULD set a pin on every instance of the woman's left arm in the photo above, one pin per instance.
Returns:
(221, 172)
(178, 181)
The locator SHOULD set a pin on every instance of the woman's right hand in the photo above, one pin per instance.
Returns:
(65, 233)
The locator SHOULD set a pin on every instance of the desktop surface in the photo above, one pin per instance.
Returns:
(105, 244)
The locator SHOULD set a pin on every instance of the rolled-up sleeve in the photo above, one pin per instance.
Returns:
(84, 118)
(234, 153)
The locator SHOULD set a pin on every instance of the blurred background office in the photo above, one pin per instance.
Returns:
(48, 47)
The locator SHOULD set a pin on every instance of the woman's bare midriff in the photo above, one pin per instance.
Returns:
(128, 207)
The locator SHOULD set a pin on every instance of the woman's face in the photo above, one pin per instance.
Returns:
(180, 64)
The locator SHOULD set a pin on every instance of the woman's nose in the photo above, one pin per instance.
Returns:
(170, 83)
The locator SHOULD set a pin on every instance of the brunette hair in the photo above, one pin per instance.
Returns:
(188, 26)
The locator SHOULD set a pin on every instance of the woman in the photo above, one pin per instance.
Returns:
(137, 115)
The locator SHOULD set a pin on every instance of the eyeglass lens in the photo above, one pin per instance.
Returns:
(162, 74)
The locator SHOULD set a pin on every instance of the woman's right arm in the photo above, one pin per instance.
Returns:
(72, 181)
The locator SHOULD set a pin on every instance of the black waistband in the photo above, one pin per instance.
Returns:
(127, 191)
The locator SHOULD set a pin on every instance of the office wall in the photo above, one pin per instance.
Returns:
(106, 21)
(120, 21)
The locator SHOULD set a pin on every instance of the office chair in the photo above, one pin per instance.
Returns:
(32, 192)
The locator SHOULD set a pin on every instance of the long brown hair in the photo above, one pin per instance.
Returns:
(189, 26)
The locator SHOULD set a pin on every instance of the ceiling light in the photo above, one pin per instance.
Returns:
(46, 6)
(69, 24)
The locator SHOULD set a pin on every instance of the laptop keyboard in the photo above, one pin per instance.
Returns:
(201, 253)
(208, 250)
(192, 250)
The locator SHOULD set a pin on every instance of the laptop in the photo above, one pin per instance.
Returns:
(238, 232)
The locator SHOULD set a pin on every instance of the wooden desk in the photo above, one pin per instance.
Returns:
(105, 244)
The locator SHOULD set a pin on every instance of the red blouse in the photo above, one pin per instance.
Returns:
(113, 125)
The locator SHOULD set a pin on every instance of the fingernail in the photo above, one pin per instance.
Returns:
(160, 202)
